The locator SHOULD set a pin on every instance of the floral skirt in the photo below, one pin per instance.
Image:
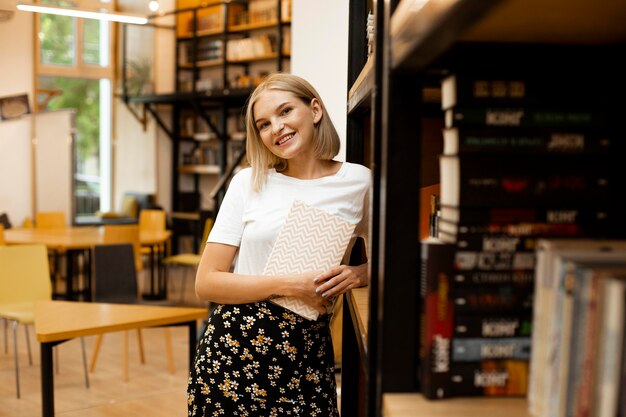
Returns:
(260, 359)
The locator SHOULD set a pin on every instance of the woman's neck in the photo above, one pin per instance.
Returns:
(311, 169)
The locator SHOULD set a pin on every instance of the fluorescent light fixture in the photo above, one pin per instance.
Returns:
(110, 16)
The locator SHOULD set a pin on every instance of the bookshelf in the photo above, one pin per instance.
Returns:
(415, 45)
(223, 48)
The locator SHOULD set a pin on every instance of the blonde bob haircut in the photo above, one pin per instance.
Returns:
(325, 136)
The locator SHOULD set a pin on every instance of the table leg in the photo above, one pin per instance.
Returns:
(69, 275)
(47, 380)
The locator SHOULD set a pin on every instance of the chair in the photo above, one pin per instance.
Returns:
(130, 207)
(25, 279)
(188, 260)
(2, 240)
(116, 282)
(50, 220)
(152, 220)
(125, 233)
(4, 220)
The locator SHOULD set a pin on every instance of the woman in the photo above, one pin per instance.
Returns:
(257, 358)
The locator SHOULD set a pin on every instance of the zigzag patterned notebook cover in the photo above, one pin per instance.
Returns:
(310, 239)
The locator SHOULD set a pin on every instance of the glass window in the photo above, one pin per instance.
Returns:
(75, 71)
(57, 39)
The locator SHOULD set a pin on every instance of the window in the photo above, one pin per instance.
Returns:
(74, 70)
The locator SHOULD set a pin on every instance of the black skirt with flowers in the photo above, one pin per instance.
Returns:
(260, 359)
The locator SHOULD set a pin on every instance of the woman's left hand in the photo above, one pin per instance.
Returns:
(340, 279)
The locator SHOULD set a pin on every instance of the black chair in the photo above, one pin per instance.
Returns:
(115, 281)
(4, 221)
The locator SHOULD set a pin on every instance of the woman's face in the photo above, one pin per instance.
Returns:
(286, 124)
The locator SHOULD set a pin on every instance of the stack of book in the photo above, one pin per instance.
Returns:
(578, 363)
(527, 157)
(524, 159)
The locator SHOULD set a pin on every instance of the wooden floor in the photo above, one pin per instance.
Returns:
(151, 391)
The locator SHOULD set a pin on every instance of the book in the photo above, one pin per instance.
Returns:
(485, 88)
(453, 230)
(473, 349)
(494, 261)
(467, 216)
(496, 242)
(505, 140)
(492, 299)
(608, 395)
(481, 277)
(437, 317)
(586, 332)
(520, 116)
(547, 309)
(309, 240)
(489, 378)
(490, 181)
(493, 326)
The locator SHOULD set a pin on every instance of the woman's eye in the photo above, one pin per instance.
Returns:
(263, 126)
(286, 110)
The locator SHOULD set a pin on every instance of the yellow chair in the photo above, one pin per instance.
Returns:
(2, 241)
(24, 280)
(188, 260)
(50, 220)
(152, 220)
(125, 233)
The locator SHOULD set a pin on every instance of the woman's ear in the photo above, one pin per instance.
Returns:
(316, 109)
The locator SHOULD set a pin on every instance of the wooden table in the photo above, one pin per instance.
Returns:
(59, 321)
(76, 239)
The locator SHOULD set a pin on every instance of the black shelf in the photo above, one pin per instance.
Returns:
(196, 110)
(417, 43)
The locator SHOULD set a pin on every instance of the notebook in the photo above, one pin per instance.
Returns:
(310, 239)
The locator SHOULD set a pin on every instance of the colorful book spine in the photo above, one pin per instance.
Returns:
(475, 349)
(530, 141)
(437, 318)
(493, 326)
(491, 181)
(540, 117)
(490, 378)
(485, 89)
(599, 216)
(509, 277)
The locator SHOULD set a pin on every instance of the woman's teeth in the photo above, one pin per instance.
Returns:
(284, 139)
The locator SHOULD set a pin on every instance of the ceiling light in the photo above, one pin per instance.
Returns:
(153, 5)
(104, 15)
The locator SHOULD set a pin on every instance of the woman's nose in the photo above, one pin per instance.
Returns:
(277, 127)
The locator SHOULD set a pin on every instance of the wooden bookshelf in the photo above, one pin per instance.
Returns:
(415, 405)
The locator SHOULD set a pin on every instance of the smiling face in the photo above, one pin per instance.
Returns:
(286, 124)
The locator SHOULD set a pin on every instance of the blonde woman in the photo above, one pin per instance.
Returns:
(257, 358)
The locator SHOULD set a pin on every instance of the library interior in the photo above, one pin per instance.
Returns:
(492, 226)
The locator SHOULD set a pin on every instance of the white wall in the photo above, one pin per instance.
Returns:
(16, 77)
(319, 54)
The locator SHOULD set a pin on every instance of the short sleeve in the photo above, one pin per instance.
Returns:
(228, 227)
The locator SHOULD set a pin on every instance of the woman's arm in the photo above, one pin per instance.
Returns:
(215, 282)
(340, 279)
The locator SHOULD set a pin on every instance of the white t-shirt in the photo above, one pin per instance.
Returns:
(251, 220)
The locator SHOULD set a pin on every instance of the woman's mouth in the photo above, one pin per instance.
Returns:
(284, 138)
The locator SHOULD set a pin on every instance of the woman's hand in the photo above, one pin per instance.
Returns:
(307, 291)
(340, 279)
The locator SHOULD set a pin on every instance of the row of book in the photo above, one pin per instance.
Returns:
(578, 365)
(524, 159)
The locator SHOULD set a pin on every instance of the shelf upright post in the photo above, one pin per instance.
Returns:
(279, 35)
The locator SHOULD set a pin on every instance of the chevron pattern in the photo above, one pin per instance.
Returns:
(310, 239)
